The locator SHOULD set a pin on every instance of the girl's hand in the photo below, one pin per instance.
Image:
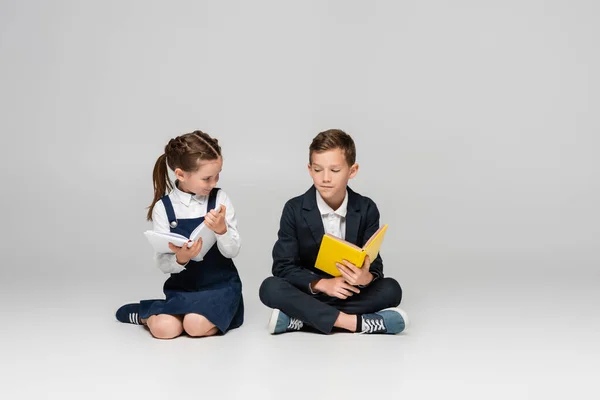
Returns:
(184, 254)
(216, 220)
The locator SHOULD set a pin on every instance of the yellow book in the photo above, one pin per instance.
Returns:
(334, 249)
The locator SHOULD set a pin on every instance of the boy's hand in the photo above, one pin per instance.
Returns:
(216, 220)
(184, 254)
(354, 275)
(336, 287)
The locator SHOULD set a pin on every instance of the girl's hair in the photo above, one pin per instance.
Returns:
(183, 152)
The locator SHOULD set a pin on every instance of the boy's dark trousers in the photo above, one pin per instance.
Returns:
(320, 310)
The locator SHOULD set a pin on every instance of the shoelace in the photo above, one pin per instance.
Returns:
(371, 325)
(295, 324)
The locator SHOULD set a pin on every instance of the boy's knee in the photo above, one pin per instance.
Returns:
(269, 288)
(392, 291)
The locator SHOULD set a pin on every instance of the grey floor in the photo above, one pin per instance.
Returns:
(482, 329)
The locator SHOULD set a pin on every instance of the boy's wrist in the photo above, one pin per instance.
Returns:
(371, 279)
(314, 286)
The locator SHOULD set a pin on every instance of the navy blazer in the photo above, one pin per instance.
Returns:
(301, 231)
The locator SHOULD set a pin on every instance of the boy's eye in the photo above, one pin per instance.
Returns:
(333, 170)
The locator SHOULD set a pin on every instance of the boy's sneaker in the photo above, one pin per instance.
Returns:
(390, 320)
(280, 323)
(129, 314)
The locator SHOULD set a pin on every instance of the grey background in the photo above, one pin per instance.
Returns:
(477, 129)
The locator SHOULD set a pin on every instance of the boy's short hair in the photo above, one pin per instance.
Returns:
(333, 139)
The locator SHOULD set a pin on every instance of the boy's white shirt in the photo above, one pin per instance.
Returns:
(334, 221)
(188, 206)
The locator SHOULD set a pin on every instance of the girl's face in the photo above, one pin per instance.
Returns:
(203, 180)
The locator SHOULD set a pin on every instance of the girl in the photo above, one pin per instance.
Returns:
(203, 298)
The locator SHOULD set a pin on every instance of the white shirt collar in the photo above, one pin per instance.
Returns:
(186, 198)
(324, 209)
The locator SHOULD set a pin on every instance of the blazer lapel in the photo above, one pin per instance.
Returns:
(312, 216)
(353, 218)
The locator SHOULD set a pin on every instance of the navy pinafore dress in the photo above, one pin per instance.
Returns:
(211, 287)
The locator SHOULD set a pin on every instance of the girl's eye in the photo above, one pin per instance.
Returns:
(317, 170)
(335, 170)
(209, 178)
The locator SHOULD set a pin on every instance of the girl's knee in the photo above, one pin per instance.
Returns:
(165, 326)
(198, 325)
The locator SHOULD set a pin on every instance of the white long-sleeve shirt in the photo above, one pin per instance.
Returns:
(187, 206)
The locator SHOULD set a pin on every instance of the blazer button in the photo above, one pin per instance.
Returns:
(173, 224)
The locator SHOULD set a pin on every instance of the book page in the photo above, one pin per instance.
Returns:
(374, 244)
(209, 238)
(160, 240)
(377, 232)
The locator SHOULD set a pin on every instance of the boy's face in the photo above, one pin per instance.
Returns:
(330, 173)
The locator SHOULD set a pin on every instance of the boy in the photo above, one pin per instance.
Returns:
(361, 300)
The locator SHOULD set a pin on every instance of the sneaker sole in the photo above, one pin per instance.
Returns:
(273, 321)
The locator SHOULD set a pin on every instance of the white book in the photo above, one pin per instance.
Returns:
(160, 240)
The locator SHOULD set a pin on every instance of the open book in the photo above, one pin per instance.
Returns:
(160, 240)
(333, 250)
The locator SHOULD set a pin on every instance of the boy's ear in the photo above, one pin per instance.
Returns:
(353, 171)
(179, 174)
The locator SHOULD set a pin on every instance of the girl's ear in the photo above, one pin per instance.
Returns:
(179, 174)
